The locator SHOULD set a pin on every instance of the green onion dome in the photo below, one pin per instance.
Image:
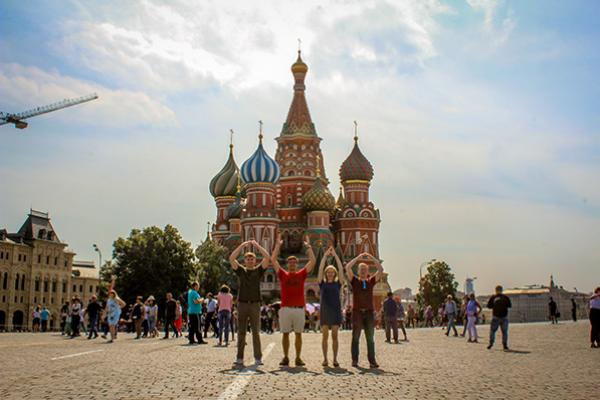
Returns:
(225, 182)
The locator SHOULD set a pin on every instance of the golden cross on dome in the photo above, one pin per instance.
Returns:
(299, 45)
(355, 131)
(260, 135)
(231, 138)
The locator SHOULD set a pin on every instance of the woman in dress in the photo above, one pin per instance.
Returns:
(330, 284)
(113, 313)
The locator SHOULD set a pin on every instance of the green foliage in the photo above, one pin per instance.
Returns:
(435, 285)
(213, 268)
(151, 262)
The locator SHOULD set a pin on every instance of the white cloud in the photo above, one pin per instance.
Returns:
(498, 31)
(28, 87)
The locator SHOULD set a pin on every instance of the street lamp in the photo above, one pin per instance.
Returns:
(96, 249)
(424, 264)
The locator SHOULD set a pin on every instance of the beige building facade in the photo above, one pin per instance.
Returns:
(37, 268)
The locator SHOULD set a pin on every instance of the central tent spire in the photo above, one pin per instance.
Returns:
(298, 120)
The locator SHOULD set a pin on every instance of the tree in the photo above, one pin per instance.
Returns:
(437, 283)
(212, 269)
(151, 262)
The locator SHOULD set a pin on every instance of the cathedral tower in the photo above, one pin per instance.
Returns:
(299, 156)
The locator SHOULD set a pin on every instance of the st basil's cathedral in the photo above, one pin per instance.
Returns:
(289, 194)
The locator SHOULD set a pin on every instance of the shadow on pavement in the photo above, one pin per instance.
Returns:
(294, 370)
(242, 371)
(517, 351)
(375, 371)
(337, 371)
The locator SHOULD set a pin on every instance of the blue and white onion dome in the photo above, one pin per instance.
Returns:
(260, 168)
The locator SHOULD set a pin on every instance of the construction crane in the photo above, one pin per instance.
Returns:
(17, 118)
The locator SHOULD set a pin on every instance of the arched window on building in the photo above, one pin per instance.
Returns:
(17, 282)
(37, 284)
(290, 200)
(45, 285)
(53, 286)
(5, 281)
(23, 282)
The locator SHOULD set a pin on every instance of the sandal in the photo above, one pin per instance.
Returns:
(325, 363)
(336, 364)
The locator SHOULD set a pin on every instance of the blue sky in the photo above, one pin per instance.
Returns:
(480, 118)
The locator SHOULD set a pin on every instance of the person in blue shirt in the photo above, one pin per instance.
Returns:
(45, 316)
(194, 310)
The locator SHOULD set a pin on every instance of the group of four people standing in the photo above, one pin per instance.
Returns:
(291, 314)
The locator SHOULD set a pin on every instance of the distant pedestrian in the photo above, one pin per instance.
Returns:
(113, 313)
(194, 310)
(400, 315)
(363, 313)
(411, 316)
(225, 306)
(64, 314)
(450, 311)
(152, 313)
(595, 318)
(390, 310)
(574, 310)
(170, 316)
(428, 313)
(552, 309)
(179, 318)
(137, 316)
(75, 316)
(330, 281)
(472, 311)
(210, 318)
(93, 313)
(44, 317)
(35, 325)
(463, 314)
(499, 303)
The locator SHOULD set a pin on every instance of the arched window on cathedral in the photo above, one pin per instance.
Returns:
(17, 282)
(290, 200)
(291, 173)
(5, 281)
(23, 282)
(37, 285)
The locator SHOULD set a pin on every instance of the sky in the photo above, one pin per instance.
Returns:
(480, 118)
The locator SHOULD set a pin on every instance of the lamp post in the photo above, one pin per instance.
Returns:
(424, 264)
(96, 249)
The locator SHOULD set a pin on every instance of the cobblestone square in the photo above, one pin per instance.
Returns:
(545, 362)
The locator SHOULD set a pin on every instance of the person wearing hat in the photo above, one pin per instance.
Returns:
(291, 315)
(450, 310)
(249, 299)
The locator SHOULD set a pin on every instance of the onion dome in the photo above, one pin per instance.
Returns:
(234, 210)
(225, 182)
(260, 167)
(299, 66)
(356, 166)
(318, 198)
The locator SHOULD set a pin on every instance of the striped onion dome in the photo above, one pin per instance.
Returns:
(356, 166)
(318, 198)
(225, 182)
(260, 167)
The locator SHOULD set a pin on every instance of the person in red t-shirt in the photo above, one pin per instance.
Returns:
(291, 315)
(363, 312)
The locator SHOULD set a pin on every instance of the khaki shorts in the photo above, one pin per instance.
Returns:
(291, 320)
